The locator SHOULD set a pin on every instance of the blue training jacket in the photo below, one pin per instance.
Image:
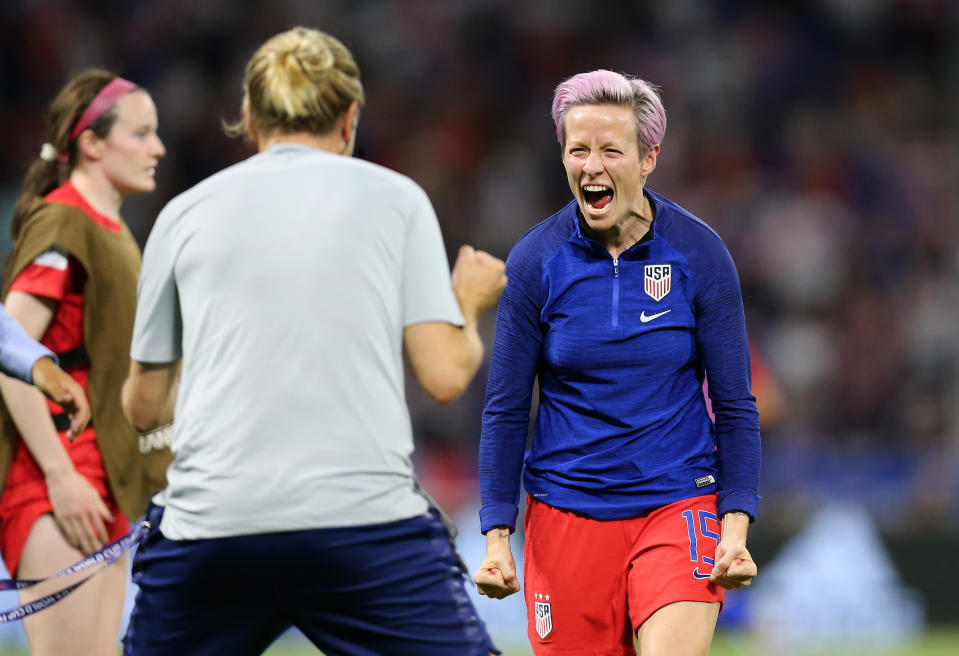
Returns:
(620, 348)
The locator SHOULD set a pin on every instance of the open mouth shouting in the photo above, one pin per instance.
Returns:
(598, 198)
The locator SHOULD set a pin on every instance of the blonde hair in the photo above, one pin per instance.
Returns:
(301, 80)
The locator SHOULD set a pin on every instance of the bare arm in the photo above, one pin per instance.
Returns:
(149, 394)
(77, 507)
(444, 358)
(26, 404)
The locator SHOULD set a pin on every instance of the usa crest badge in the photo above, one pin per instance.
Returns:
(657, 280)
(544, 618)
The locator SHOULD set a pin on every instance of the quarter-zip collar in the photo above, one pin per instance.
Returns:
(649, 212)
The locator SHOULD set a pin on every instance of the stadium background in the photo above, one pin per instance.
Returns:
(820, 139)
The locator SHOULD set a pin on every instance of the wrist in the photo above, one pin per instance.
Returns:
(57, 471)
(40, 369)
(498, 536)
(162, 426)
(470, 318)
(468, 305)
(735, 525)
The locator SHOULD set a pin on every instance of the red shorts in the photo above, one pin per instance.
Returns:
(590, 584)
(24, 498)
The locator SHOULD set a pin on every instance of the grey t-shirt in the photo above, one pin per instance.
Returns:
(284, 282)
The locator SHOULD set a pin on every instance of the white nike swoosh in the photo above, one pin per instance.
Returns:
(645, 319)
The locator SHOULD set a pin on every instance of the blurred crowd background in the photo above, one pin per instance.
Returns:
(820, 139)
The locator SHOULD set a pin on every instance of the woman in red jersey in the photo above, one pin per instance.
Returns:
(71, 282)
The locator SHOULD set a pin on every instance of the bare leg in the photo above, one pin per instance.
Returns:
(112, 602)
(87, 622)
(684, 628)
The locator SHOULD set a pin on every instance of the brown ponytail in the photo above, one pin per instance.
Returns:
(44, 175)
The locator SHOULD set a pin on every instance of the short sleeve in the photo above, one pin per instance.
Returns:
(48, 275)
(158, 327)
(426, 287)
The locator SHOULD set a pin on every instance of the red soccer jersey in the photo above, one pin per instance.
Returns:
(58, 275)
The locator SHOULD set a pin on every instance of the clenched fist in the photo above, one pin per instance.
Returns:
(478, 280)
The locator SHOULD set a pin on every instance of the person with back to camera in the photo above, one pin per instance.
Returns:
(71, 282)
(637, 504)
(289, 285)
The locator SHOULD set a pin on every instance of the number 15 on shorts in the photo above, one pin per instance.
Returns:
(698, 534)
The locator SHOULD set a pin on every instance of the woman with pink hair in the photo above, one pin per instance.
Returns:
(619, 304)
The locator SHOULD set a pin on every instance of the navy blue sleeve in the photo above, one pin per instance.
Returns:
(513, 366)
(724, 349)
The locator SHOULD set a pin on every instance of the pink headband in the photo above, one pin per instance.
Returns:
(103, 101)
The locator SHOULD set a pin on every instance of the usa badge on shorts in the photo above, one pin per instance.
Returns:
(544, 618)
(657, 280)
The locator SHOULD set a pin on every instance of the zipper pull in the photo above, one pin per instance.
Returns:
(616, 267)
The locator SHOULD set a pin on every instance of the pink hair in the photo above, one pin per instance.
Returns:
(604, 87)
